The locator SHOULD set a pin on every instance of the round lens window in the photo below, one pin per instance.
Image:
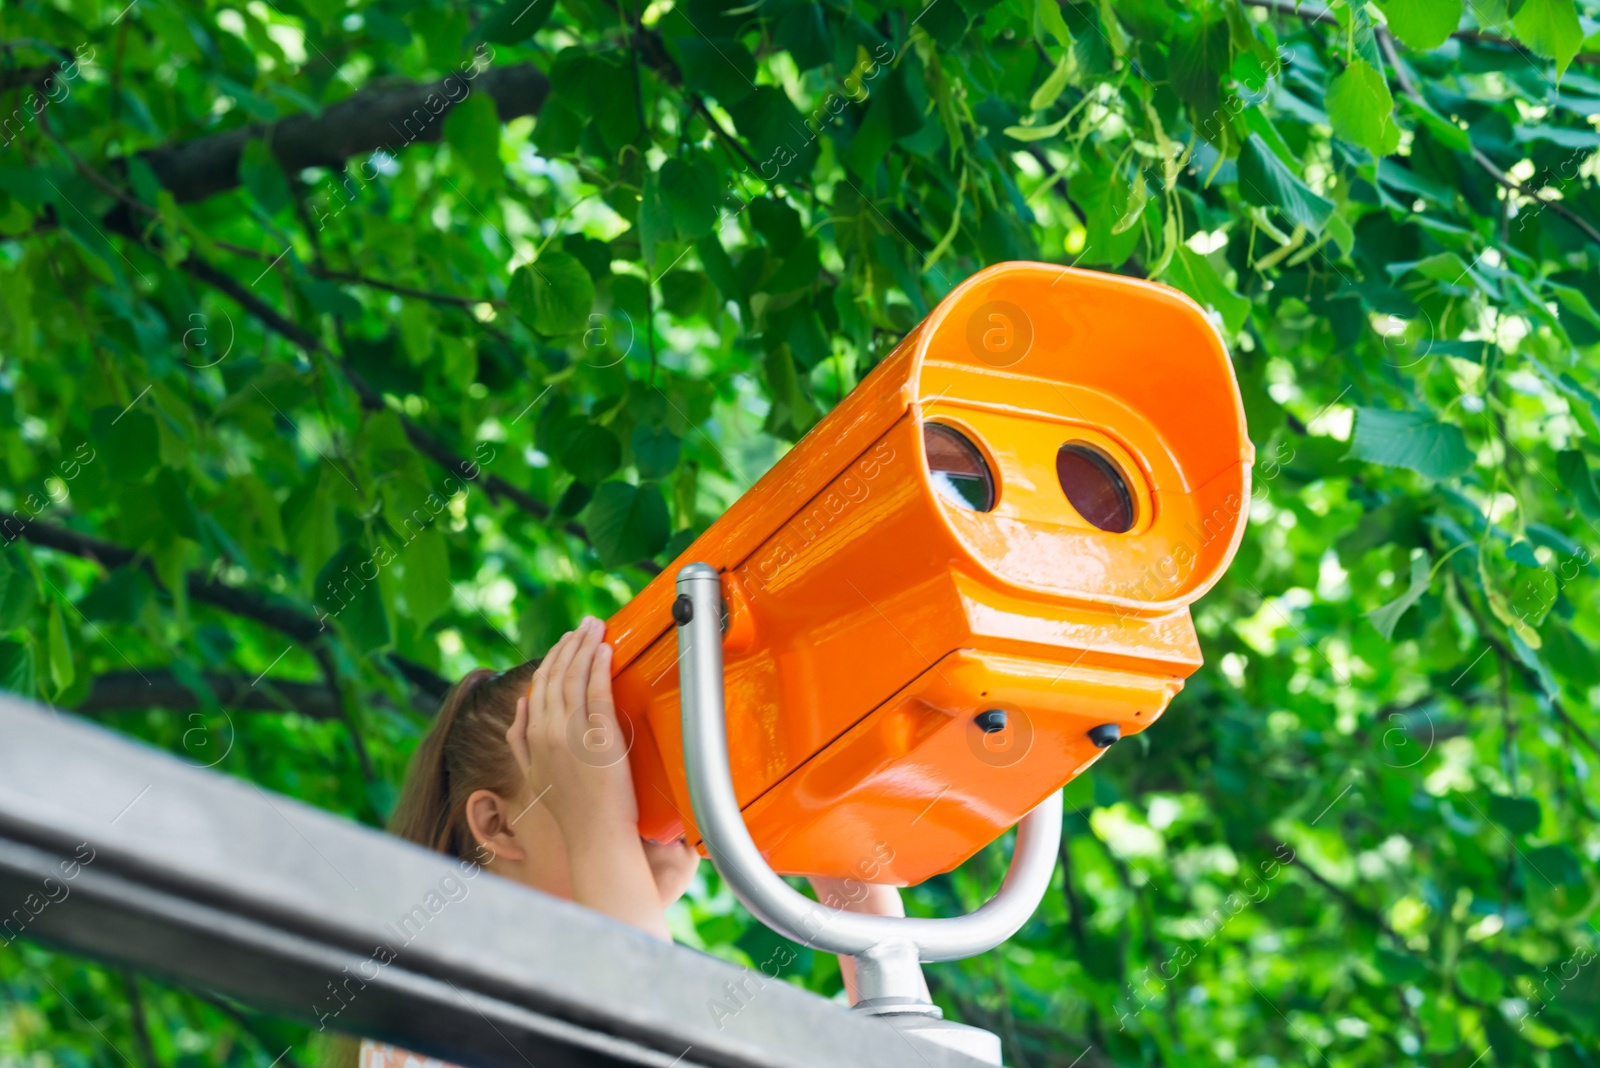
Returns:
(957, 468)
(1095, 488)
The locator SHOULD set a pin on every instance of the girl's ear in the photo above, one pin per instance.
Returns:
(489, 817)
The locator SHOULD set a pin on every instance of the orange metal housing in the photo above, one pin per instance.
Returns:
(871, 619)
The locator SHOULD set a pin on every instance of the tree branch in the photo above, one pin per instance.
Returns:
(424, 442)
(140, 1026)
(381, 116)
(371, 400)
(1313, 14)
(130, 691)
(1409, 88)
(20, 77)
(1529, 675)
(366, 280)
(285, 619)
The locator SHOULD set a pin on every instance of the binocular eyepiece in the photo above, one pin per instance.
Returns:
(964, 584)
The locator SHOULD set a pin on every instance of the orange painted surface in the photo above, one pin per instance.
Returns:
(872, 617)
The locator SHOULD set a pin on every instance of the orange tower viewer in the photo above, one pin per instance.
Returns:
(963, 583)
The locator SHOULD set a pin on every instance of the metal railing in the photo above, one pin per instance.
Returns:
(115, 850)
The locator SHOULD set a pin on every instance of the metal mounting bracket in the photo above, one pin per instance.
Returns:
(888, 950)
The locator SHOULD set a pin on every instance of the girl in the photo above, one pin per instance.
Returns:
(526, 772)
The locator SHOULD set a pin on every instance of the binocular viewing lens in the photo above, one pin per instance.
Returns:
(957, 467)
(1095, 487)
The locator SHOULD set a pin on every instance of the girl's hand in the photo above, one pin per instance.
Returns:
(673, 865)
(566, 739)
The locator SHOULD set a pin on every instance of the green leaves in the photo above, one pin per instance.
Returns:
(1386, 617)
(1202, 54)
(1361, 109)
(472, 128)
(348, 595)
(718, 236)
(19, 590)
(690, 191)
(777, 134)
(512, 22)
(16, 668)
(553, 295)
(588, 450)
(1518, 815)
(1194, 274)
(1265, 180)
(655, 451)
(263, 177)
(627, 523)
(1050, 89)
(1550, 28)
(58, 651)
(1110, 206)
(1422, 24)
(655, 224)
(426, 576)
(793, 412)
(1573, 470)
(125, 440)
(1413, 440)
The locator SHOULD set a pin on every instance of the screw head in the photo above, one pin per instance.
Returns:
(1103, 735)
(682, 610)
(991, 721)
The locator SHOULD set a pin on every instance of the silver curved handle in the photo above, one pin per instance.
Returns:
(774, 902)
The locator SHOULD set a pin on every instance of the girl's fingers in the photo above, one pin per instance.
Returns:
(598, 697)
(517, 735)
(600, 709)
(560, 657)
(576, 679)
(537, 693)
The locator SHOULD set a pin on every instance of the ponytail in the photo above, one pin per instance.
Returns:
(463, 752)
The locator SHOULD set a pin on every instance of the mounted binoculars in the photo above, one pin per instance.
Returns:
(961, 586)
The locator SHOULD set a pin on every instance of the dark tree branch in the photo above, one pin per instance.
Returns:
(284, 618)
(1409, 88)
(132, 691)
(1529, 675)
(1080, 934)
(1370, 916)
(160, 688)
(424, 442)
(380, 116)
(141, 1026)
(371, 400)
(18, 77)
(366, 280)
(1314, 14)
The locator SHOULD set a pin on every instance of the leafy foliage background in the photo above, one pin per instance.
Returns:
(278, 306)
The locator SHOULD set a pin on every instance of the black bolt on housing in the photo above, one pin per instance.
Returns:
(1105, 734)
(991, 721)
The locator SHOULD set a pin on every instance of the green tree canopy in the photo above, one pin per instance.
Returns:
(503, 304)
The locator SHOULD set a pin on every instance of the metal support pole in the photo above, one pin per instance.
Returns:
(888, 950)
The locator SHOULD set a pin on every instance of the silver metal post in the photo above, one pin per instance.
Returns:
(888, 950)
